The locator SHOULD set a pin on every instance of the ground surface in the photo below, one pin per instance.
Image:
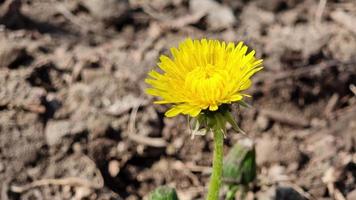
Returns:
(75, 122)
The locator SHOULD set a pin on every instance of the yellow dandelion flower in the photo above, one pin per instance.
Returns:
(202, 75)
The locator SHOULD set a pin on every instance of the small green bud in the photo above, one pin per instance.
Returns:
(240, 164)
(163, 193)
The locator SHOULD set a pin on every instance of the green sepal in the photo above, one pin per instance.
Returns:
(244, 104)
(220, 122)
(229, 118)
(213, 120)
(198, 125)
(163, 193)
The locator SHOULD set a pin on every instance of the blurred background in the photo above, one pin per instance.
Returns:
(75, 122)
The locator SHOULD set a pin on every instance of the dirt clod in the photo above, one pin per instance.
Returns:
(75, 118)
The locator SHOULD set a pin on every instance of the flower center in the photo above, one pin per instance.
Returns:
(207, 83)
(209, 71)
(203, 73)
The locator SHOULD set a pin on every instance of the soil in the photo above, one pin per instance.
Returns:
(75, 122)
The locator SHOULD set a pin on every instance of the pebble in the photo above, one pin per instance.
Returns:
(263, 123)
(108, 10)
(218, 16)
(280, 193)
(114, 168)
(56, 130)
(288, 193)
(268, 151)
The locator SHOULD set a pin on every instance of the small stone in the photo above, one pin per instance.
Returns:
(319, 123)
(114, 168)
(276, 173)
(263, 123)
(342, 45)
(218, 16)
(275, 5)
(288, 193)
(82, 192)
(269, 194)
(56, 130)
(122, 147)
(66, 191)
(77, 147)
(268, 151)
(279, 193)
(223, 17)
(108, 10)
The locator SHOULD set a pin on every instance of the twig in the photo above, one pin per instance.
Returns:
(310, 69)
(67, 14)
(72, 181)
(154, 32)
(175, 23)
(163, 25)
(338, 195)
(154, 142)
(183, 21)
(346, 20)
(287, 182)
(36, 108)
(77, 70)
(152, 13)
(285, 118)
(353, 89)
(330, 106)
(10, 8)
(192, 167)
(4, 189)
(191, 193)
(320, 10)
(302, 192)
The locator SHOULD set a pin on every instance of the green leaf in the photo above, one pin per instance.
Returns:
(240, 165)
(163, 193)
(249, 167)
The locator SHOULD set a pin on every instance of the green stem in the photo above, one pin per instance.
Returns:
(215, 179)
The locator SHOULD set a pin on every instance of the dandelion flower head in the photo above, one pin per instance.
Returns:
(203, 75)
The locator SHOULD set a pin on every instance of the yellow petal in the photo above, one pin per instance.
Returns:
(213, 107)
(174, 111)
